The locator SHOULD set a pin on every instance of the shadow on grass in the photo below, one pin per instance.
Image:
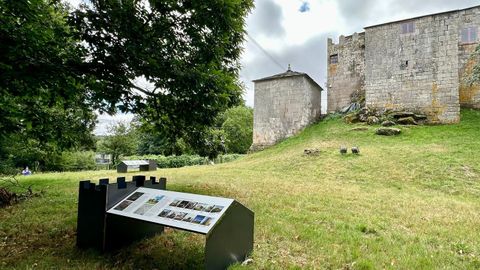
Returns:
(172, 250)
(43, 246)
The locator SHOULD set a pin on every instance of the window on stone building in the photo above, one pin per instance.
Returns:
(408, 27)
(469, 35)
(334, 59)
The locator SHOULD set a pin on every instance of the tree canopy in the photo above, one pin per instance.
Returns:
(57, 66)
(44, 102)
(186, 51)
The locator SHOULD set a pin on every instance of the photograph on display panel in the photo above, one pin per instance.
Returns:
(179, 210)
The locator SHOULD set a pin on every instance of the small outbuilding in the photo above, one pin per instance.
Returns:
(142, 165)
(284, 105)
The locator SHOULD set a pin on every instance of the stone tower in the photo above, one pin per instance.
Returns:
(284, 105)
(420, 64)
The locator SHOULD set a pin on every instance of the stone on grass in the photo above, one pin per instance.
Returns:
(355, 150)
(388, 123)
(407, 121)
(351, 118)
(364, 113)
(373, 120)
(388, 131)
(311, 152)
(343, 150)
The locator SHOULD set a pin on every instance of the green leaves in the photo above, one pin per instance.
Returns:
(238, 129)
(188, 52)
(56, 67)
(44, 98)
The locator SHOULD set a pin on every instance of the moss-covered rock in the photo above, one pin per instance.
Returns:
(387, 131)
(407, 121)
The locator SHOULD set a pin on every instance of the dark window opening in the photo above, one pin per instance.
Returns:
(334, 59)
(408, 27)
(469, 35)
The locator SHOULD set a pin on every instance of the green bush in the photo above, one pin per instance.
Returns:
(78, 161)
(238, 129)
(183, 160)
(72, 161)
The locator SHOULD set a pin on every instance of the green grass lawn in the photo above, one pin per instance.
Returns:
(407, 202)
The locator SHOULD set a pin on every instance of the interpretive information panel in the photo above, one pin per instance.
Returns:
(186, 211)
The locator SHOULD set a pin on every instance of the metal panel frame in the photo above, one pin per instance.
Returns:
(228, 242)
(92, 204)
(231, 240)
(95, 228)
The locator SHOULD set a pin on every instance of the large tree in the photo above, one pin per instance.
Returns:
(44, 104)
(121, 141)
(186, 51)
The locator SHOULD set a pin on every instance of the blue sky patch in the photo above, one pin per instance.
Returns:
(305, 7)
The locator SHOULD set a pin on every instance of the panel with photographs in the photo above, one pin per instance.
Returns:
(128, 201)
(182, 210)
(199, 213)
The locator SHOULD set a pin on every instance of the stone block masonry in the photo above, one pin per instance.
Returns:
(415, 71)
(346, 70)
(420, 64)
(284, 105)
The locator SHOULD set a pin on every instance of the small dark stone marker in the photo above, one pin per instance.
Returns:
(355, 150)
(343, 150)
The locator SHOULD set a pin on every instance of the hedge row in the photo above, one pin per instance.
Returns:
(183, 160)
(72, 161)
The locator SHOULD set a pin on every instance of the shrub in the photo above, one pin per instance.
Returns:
(72, 161)
(183, 160)
(238, 129)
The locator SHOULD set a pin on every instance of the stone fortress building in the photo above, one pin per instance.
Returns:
(420, 64)
(284, 104)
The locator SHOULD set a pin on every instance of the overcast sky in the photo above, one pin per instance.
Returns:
(295, 32)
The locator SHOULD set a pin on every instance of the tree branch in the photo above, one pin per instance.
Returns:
(146, 92)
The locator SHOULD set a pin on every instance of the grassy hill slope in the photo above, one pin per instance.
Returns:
(407, 202)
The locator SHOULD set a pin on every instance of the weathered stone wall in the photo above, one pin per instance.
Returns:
(348, 74)
(469, 94)
(415, 71)
(283, 107)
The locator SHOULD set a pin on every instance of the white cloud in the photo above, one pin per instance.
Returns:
(105, 121)
(326, 18)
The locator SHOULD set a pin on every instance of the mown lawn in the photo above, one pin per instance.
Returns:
(407, 202)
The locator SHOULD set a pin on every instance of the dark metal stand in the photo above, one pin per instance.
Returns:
(228, 242)
(231, 240)
(96, 229)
